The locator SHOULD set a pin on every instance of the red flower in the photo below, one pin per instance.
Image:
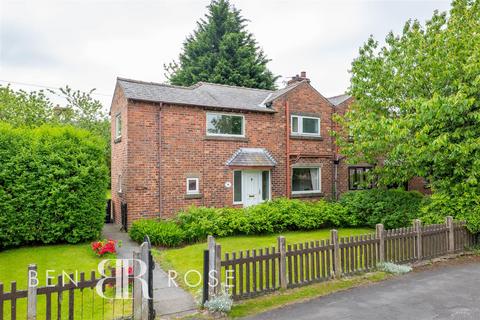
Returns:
(104, 246)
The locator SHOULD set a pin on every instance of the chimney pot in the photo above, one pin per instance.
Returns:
(303, 74)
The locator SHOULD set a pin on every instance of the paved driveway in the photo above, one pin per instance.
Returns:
(450, 292)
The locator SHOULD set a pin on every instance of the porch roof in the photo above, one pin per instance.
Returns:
(251, 157)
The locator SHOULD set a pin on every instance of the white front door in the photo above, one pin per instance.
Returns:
(252, 188)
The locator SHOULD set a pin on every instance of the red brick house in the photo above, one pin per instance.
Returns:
(217, 145)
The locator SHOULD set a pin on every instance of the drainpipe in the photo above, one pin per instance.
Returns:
(287, 148)
(159, 157)
(335, 178)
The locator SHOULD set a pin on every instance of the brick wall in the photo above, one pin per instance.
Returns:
(163, 145)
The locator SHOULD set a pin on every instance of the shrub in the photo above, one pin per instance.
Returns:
(464, 206)
(394, 208)
(219, 303)
(393, 268)
(52, 185)
(162, 233)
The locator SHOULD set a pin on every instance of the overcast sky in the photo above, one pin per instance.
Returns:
(87, 44)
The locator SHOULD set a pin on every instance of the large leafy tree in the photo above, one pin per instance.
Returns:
(221, 50)
(32, 109)
(417, 108)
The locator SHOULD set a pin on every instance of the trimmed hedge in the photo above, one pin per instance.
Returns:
(165, 233)
(52, 185)
(393, 208)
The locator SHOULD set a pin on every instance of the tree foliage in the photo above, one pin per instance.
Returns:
(417, 107)
(221, 50)
(32, 109)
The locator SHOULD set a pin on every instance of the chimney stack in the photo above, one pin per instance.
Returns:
(297, 78)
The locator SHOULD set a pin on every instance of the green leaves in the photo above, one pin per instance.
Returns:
(417, 103)
(221, 50)
(52, 185)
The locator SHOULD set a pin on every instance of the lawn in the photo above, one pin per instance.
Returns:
(191, 257)
(58, 258)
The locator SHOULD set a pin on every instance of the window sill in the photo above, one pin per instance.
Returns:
(117, 140)
(307, 195)
(225, 138)
(193, 196)
(301, 137)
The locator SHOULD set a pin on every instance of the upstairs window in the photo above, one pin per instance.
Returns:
(308, 126)
(118, 126)
(220, 124)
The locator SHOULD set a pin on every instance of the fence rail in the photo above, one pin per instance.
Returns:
(255, 272)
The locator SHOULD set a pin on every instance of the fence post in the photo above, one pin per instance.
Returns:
(32, 292)
(418, 230)
(380, 235)
(205, 276)
(451, 234)
(282, 266)
(218, 268)
(137, 287)
(337, 268)
(144, 254)
(211, 266)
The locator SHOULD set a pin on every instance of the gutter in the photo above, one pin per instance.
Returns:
(287, 149)
(159, 156)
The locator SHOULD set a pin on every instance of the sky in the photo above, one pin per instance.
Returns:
(86, 44)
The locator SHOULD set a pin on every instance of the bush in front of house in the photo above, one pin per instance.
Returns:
(394, 208)
(196, 223)
(52, 185)
(163, 233)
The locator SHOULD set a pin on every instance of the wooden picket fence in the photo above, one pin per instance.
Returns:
(72, 297)
(255, 272)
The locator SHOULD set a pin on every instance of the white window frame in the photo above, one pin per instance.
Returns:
(300, 126)
(118, 128)
(197, 183)
(319, 180)
(233, 187)
(225, 134)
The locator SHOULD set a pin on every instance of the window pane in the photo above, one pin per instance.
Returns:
(192, 185)
(295, 124)
(305, 179)
(118, 126)
(224, 124)
(237, 186)
(351, 178)
(310, 125)
(265, 185)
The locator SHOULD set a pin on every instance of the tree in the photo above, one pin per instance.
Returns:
(417, 108)
(221, 50)
(33, 109)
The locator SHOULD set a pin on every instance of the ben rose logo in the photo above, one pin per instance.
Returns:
(124, 273)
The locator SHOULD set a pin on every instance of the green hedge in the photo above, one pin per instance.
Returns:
(394, 208)
(52, 185)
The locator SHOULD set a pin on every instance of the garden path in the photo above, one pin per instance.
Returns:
(169, 301)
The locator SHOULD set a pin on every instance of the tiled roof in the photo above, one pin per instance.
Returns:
(339, 99)
(251, 157)
(201, 94)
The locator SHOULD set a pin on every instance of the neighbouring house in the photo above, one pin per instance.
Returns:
(218, 145)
